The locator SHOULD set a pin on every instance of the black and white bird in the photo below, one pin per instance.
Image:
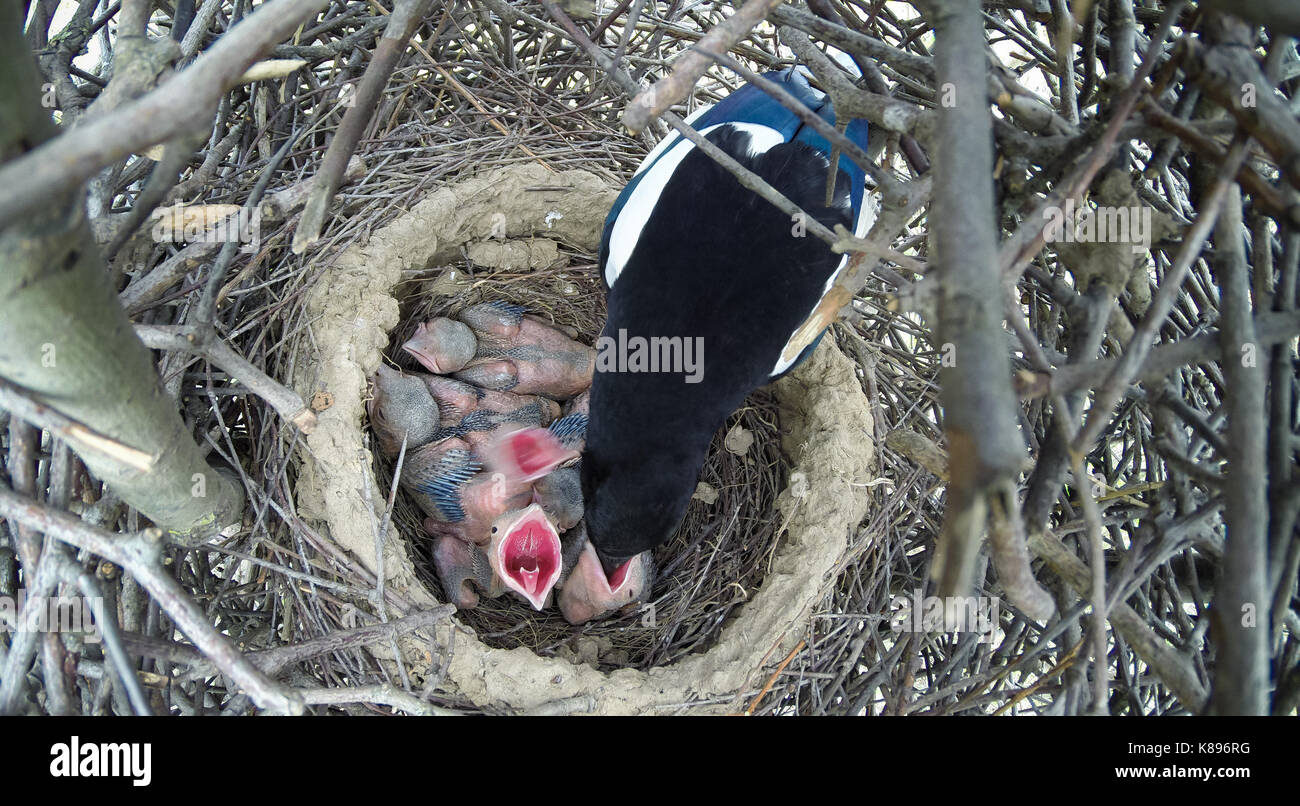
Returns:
(693, 261)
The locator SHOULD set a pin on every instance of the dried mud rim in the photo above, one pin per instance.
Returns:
(824, 422)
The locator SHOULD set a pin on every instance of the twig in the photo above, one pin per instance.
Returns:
(853, 41)
(176, 156)
(772, 679)
(184, 102)
(1259, 188)
(383, 694)
(140, 555)
(1011, 556)
(980, 419)
(1174, 670)
(148, 288)
(107, 623)
(406, 17)
(690, 66)
(13, 677)
(1028, 238)
(275, 660)
(1097, 590)
(1143, 337)
(888, 113)
(200, 315)
(1242, 602)
(1229, 74)
(1270, 329)
(183, 338)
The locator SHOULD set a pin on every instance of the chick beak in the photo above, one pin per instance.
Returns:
(591, 592)
(527, 454)
(525, 553)
(615, 569)
(442, 345)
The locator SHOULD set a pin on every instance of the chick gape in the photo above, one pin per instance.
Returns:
(529, 557)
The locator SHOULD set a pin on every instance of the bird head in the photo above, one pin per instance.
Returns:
(442, 345)
(527, 454)
(525, 553)
(630, 509)
(590, 592)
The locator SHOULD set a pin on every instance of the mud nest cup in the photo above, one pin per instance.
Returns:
(785, 486)
(705, 571)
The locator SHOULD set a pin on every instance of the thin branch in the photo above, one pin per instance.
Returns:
(108, 630)
(980, 419)
(382, 694)
(1242, 603)
(691, 65)
(1270, 329)
(140, 555)
(406, 17)
(275, 660)
(1145, 334)
(287, 403)
(182, 103)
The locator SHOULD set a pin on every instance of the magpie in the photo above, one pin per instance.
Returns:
(696, 265)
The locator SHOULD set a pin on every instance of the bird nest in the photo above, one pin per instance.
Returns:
(740, 528)
(714, 562)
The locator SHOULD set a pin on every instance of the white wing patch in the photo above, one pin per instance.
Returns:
(674, 137)
(636, 212)
(866, 217)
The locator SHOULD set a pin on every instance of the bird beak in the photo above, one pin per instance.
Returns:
(526, 454)
(525, 553)
(443, 346)
(589, 593)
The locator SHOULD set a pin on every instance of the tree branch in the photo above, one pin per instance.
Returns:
(141, 556)
(182, 103)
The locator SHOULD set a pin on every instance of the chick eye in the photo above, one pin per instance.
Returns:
(494, 530)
